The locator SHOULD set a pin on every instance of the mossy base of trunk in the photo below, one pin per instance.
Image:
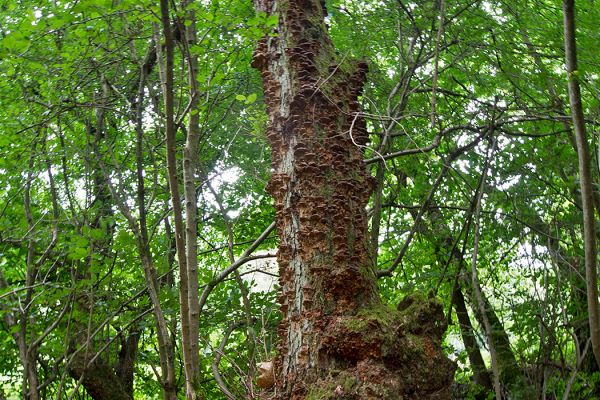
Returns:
(386, 353)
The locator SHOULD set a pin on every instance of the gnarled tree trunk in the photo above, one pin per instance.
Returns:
(336, 340)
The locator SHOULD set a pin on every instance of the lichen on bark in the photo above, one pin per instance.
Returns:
(336, 338)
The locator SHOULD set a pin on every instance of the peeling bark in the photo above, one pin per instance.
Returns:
(336, 339)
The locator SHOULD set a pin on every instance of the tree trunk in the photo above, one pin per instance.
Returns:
(98, 379)
(585, 178)
(125, 368)
(481, 375)
(103, 381)
(336, 339)
(510, 372)
(190, 170)
(578, 301)
(139, 230)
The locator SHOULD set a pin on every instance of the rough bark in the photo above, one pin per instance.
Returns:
(336, 338)
(585, 178)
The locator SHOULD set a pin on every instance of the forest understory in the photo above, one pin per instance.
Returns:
(299, 199)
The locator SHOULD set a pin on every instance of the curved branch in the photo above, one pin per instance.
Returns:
(234, 266)
(219, 353)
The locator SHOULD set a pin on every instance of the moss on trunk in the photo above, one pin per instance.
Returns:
(336, 339)
(387, 353)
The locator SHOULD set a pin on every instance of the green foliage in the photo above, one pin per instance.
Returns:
(73, 265)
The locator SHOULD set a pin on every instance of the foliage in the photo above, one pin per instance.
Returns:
(69, 262)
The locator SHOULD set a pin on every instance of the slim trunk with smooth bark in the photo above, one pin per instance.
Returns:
(188, 338)
(190, 170)
(336, 338)
(139, 230)
(578, 296)
(27, 354)
(185, 234)
(585, 177)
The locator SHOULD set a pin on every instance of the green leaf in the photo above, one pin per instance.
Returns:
(251, 98)
(272, 20)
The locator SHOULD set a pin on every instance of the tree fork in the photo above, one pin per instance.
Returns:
(336, 337)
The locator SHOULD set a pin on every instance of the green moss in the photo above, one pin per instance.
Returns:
(350, 239)
(367, 272)
(382, 341)
(325, 191)
(416, 342)
(348, 382)
(381, 313)
(321, 391)
(356, 324)
(333, 73)
(321, 135)
(317, 393)
(413, 313)
(322, 62)
(357, 175)
(326, 389)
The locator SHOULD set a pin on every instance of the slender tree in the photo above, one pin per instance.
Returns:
(585, 177)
